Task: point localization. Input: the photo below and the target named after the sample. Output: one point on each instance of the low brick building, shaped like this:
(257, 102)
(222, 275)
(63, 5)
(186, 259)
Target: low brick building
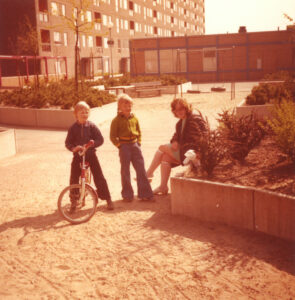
(215, 58)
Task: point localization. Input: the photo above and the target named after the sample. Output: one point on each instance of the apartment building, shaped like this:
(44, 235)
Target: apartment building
(103, 46)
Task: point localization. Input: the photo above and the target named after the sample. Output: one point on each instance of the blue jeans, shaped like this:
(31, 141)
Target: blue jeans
(131, 153)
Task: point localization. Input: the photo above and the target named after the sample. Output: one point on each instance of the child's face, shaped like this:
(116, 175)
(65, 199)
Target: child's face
(126, 107)
(82, 115)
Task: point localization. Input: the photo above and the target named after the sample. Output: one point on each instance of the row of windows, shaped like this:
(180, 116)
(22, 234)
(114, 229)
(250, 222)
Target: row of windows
(58, 9)
(122, 24)
(169, 4)
(85, 40)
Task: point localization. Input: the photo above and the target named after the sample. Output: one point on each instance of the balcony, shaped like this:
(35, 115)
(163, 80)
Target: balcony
(46, 47)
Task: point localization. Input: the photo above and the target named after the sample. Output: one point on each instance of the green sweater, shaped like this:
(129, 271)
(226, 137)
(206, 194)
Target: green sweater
(125, 130)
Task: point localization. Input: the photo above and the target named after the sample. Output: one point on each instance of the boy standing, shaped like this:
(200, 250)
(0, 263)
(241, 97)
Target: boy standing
(126, 135)
(80, 133)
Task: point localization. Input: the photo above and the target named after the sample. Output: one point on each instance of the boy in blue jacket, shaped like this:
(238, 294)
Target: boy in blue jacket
(80, 133)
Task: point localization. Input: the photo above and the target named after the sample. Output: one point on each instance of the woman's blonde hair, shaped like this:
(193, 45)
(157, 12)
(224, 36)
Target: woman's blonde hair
(123, 97)
(183, 103)
(80, 105)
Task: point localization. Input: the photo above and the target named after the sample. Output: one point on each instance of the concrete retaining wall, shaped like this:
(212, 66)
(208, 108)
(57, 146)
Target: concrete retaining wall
(7, 143)
(261, 111)
(51, 118)
(234, 205)
(177, 89)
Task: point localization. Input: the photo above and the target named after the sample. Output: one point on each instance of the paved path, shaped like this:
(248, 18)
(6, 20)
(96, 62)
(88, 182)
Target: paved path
(137, 251)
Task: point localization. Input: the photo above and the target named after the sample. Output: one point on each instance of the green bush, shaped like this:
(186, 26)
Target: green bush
(271, 93)
(282, 125)
(241, 134)
(61, 94)
(126, 79)
(212, 151)
(280, 75)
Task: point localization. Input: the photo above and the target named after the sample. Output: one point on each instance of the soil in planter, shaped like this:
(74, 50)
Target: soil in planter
(265, 167)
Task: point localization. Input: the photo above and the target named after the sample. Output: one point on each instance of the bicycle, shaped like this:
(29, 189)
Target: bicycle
(77, 202)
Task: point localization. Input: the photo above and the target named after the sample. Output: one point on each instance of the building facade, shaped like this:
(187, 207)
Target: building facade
(215, 58)
(103, 44)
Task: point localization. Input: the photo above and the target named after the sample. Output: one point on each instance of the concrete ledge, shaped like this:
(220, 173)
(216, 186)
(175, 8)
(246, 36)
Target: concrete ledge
(234, 205)
(275, 214)
(214, 202)
(172, 89)
(261, 111)
(7, 142)
(52, 118)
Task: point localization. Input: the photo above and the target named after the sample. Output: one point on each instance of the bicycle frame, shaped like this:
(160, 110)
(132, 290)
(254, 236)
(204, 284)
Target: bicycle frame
(84, 170)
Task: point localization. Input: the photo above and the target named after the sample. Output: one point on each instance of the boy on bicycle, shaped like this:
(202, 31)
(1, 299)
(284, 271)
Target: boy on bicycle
(79, 134)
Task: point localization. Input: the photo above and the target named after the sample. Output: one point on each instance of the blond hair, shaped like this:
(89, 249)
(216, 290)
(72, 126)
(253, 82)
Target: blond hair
(123, 97)
(80, 105)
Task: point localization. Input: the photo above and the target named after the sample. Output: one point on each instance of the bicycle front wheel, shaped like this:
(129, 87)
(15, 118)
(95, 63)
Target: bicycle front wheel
(75, 208)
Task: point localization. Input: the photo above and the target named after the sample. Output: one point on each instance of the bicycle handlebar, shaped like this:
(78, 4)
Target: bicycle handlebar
(86, 147)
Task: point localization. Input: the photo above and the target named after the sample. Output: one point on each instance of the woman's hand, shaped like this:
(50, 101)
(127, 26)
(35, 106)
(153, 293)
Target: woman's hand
(174, 146)
(77, 149)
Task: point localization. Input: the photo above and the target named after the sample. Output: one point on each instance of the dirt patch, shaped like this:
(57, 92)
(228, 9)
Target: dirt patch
(265, 167)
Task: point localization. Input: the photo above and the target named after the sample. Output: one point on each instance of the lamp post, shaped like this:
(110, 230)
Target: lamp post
(111, 44)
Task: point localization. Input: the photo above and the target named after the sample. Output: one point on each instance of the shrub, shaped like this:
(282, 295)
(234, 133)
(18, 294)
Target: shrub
(271, 93)
(210, 147)
(242, 134)
(61, 94)
(212, 151)
(282, 125)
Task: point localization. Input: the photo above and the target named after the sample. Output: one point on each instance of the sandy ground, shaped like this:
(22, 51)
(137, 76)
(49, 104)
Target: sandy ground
(137, 251)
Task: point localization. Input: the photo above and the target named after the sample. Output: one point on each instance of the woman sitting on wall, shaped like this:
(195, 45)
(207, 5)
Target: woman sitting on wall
(189, 129)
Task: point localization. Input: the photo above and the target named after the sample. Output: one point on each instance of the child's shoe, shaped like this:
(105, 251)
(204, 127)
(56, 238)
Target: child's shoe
(160, 191)
(110, 205)
(147, 199)
(127, 199)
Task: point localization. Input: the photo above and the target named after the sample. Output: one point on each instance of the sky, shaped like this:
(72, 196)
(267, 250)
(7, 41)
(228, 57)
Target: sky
(226, 16)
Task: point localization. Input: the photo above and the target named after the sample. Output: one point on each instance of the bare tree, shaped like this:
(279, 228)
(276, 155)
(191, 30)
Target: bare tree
(79, 21)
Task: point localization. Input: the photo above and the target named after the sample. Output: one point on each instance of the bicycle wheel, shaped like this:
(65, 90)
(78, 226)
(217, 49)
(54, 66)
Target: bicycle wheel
(74, 208)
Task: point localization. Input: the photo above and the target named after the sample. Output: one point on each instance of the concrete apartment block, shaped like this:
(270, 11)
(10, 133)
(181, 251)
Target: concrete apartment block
(104, 48)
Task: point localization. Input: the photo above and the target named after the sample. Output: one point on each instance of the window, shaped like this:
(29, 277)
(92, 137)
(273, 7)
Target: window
(105, 42)
(54, 8)
(58, 9)
(65, 39)
(83, 40)
(172, 60)
(151, 61)
(131, 25)
(45, 36)
(57, 37)
(209, 59)
(98, 41)
(97, 19)
(43, 5)
(88, 16)
(90, 41)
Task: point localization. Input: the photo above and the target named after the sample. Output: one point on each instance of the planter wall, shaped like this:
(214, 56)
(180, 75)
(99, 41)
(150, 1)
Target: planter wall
(51, 118)
(176, 89)
(7, 142)
(261, 111)
(234, 205)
